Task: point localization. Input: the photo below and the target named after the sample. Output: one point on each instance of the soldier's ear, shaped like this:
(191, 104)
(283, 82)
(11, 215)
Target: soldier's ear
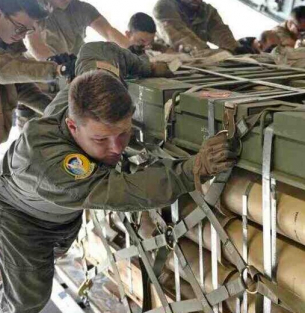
(71, 124)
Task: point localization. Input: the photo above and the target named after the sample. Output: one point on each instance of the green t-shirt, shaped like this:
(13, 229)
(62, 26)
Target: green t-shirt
(65, 30)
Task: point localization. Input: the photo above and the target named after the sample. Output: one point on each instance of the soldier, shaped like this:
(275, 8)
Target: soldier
(141, 35)
(188, 25)
(293, 29)
(141, 30)
(264, 43)
(47, 181)
(17, 18)
(65, 29)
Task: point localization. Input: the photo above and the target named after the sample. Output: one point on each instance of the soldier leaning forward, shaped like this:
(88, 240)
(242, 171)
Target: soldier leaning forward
(65, 29)
(47, 181)
(188, 25)
(17, 18)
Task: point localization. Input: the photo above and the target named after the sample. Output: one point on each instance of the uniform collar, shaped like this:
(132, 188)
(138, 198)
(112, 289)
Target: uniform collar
(64, 128)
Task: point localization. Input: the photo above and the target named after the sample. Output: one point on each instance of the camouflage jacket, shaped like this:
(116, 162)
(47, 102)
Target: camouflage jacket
(36, 176)
(107, 56)
(178, 28)
(16, 76)
(287, 38)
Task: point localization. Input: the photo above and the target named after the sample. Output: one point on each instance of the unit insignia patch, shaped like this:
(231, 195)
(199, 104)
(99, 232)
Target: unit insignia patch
(78, 166)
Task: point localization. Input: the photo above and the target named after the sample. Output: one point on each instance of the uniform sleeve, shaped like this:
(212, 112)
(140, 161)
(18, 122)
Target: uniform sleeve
(58, 103)
(156, 186)
(173, 29)
(156, 46)
(87, 13)
(219, 33)
(32, 96)
(22, 70)
(128, 63)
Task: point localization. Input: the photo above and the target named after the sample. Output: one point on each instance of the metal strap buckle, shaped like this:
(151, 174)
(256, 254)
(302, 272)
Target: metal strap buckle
(244, 280)
(229, 118)
(168, 234)
(169, 237)
(84, 287)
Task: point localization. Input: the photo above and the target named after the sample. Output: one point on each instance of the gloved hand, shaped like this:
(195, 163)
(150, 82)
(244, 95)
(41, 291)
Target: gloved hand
(138, 50)
(62, 58)
(215, 156)
(161, 69)
(66, 64)
(68, 70)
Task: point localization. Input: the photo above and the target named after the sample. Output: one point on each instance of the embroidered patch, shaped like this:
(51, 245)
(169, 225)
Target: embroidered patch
(108, 67)
(78, 166)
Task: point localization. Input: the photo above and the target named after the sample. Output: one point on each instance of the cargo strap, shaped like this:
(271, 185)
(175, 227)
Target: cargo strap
(264, 287)
(205, 302)
(244, 125)
(168, 238)
(112, 260)
(87, 283)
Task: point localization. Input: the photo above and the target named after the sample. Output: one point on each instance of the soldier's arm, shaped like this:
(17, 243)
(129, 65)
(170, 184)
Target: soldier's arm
(173, 30)
(156, 186)
(22, 70)
(91, 54)
(90, 16)
(103, 27)
(220, 33)
(37, 47)
(32, 96)
(285, 39)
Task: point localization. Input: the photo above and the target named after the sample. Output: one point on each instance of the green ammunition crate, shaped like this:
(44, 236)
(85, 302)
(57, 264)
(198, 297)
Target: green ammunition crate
(191, 130)
(191, 115)
(149, 96)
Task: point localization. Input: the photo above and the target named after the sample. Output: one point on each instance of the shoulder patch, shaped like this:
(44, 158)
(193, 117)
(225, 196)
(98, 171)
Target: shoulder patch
(78, 166)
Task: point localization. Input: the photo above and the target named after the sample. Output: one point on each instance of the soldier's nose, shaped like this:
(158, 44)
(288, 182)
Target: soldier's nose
(116, 146)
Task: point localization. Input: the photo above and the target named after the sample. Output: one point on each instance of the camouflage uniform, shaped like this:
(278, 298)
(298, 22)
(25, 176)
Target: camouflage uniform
(42, 198)
(287, 39)
(180, 28)
(16, 75)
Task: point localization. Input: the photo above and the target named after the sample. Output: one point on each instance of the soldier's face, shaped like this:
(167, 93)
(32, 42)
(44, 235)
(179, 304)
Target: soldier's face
(60, 4)
(14, 28)
(296, 27)
(103, 142)
(138, 38)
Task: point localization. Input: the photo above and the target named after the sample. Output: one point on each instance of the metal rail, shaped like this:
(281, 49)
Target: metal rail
(244, 80)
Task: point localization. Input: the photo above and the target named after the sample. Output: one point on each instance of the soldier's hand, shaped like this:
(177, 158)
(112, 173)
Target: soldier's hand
(215, 156)
(68, 70)
(62, 58)
(161, 69)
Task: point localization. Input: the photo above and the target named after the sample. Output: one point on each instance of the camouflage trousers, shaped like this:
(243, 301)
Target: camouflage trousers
(28, 247)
